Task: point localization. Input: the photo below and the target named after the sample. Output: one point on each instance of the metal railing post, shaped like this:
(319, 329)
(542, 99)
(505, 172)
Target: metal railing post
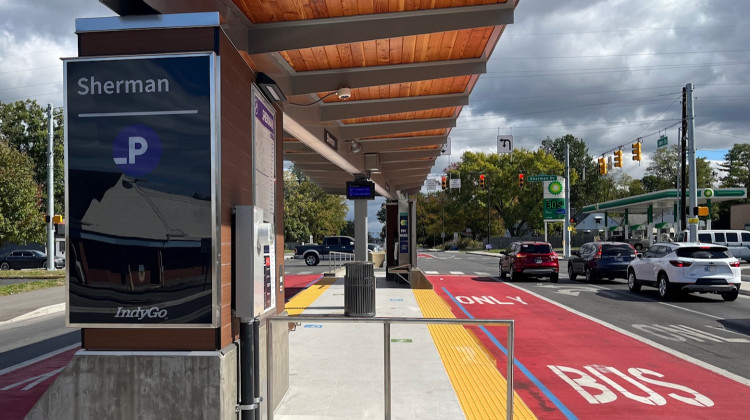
(509, 378)
(387, 368)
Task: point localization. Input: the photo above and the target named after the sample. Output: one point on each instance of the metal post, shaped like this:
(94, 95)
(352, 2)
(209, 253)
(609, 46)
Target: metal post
(566, 222)
(691, 161)
(387, 367)
(246, 369)
(511, 360)
(50, 191)
(256, 368)
(488, 213)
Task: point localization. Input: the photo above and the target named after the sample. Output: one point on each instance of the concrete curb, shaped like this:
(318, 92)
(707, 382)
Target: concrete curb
(58, 307)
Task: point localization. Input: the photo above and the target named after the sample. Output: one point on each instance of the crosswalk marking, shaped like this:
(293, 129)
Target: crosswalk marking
(458, 273)
(431, 272)
(482, 274)
(305, 272)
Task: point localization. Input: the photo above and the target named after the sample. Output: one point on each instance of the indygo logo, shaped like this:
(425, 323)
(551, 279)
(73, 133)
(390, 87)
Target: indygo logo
(136, 150)
(140, 313)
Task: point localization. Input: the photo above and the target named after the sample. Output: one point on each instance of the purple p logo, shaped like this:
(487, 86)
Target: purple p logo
(136, 150)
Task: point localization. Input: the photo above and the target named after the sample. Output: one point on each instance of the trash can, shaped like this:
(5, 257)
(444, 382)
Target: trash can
(359, 289)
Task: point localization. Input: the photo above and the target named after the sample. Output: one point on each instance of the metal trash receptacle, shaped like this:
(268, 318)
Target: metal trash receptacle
(359, 289)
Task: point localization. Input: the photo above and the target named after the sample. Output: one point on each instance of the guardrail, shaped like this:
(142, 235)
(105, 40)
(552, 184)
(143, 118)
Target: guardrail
(337, 259)
(510, 324)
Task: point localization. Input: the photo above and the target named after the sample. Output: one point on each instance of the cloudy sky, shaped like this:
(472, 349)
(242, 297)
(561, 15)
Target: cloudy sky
(606, 71)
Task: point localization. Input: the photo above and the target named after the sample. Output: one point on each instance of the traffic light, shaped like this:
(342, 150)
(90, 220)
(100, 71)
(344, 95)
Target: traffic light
(636, 151)
(445, 183)
(618, 158)
(602, 166)
(520, 180)
(573, 220)
(481, 181)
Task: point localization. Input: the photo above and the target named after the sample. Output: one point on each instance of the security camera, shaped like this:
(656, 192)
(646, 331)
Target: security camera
(442, 150)
(344, 93)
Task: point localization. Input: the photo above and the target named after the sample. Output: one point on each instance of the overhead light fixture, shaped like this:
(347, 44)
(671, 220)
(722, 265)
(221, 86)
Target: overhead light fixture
(270, 89)
(344, 93)
(355, 146)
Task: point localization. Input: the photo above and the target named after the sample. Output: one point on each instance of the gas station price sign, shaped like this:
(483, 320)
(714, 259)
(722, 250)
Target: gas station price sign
(554, 208)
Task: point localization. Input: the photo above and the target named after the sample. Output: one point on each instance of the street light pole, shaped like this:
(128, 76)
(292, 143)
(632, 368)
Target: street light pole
(488, 213)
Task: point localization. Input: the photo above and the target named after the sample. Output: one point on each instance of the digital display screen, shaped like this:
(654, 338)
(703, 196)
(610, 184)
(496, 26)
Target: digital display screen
(360, 190)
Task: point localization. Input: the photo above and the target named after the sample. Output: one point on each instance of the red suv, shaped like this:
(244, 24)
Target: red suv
(531, 259)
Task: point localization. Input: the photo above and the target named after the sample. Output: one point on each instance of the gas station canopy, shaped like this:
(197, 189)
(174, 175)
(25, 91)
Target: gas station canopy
(663, 200)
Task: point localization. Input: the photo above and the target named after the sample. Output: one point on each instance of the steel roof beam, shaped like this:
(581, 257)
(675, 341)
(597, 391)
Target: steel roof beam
(353, 131)
(357, 77)
(357, 109)
(387, 144)
(298, 34)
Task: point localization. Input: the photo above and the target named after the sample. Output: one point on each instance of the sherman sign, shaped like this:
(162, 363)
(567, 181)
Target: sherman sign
(140, 135)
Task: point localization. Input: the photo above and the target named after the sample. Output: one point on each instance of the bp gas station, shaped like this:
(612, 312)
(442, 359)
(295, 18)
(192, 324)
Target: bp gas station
(661, 209)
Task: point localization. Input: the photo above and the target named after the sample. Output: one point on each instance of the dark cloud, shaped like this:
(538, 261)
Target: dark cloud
(611, 71)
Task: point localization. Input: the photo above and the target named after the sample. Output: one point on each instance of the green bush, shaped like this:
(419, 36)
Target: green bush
(464, 243)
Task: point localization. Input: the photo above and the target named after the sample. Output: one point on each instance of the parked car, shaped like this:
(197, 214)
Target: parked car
(686, 267)
(596, 260)
(27, 258)
(313, 253)
(371, 247)
(736, 241)
(530, 259)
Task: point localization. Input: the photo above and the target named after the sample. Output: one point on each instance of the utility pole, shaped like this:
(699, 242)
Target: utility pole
(566, 222)
(683, 157)
(50, 191)
(488, 213)
(691, 161)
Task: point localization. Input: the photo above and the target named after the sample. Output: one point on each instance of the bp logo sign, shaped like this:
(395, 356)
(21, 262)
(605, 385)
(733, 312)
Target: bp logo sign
(708, 193)
(555, 188)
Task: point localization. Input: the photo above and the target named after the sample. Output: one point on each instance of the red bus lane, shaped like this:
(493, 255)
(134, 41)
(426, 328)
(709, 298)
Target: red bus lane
(571, 367)
(23, 385)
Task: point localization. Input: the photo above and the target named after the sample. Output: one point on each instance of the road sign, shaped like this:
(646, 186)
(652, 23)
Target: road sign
(455, 183)
(504, 144)
(662, 141)
(541, 178)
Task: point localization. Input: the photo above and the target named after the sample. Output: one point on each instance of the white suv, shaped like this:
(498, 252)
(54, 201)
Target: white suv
(686, 267)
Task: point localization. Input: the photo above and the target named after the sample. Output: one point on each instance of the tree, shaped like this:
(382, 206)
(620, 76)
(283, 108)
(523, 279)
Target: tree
(664, 170)
(737, 167)
(517, 209)
(308, 210)
(21, 221)
(24, 126)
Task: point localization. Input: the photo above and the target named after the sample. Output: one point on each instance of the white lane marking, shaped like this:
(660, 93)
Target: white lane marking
(305, 272)
(644, 340)
(690, 310)
(39, 359)
(432, 273)
(457, 273)
(483, 274)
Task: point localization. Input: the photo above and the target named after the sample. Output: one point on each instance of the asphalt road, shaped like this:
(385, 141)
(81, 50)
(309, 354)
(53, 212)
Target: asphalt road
(701, 327)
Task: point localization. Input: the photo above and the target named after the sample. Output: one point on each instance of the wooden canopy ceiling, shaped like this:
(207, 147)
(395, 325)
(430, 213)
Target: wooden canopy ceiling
(409, 65)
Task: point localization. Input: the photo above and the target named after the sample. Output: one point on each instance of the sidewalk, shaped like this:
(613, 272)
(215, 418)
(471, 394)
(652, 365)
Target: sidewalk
(336, 370)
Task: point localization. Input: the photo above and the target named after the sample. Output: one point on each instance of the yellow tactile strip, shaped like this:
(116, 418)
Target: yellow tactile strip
(480, 388)
(303, 299)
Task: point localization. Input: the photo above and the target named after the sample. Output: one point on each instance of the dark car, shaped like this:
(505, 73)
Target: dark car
(23, 258)
(529, 259)
(596, 260)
